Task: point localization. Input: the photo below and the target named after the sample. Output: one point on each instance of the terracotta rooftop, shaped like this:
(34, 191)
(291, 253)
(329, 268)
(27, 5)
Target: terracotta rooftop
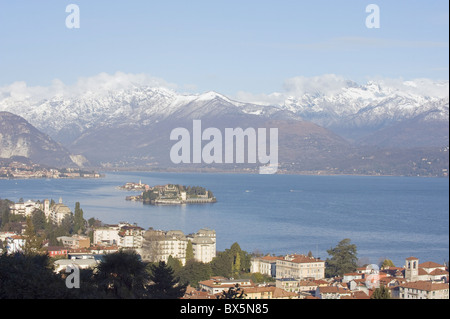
(412, 258)
(430, 264)
(425, 285)
(333, 290)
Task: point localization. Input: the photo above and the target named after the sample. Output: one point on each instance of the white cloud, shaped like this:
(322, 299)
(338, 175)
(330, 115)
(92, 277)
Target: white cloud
(100, 83)
(331, 84)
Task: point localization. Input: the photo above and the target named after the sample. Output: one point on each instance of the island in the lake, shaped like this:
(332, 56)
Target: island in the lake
(170, 194)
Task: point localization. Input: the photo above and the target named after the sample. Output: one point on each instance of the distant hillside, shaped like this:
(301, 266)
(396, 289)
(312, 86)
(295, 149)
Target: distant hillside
(19, 139)
(367, 129)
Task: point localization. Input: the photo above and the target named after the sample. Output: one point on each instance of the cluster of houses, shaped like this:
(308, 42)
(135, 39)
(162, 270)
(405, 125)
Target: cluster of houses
(152, 245)
(56, 212)
(303, 277)
(18, 170)
(158, 245)
(294, 276)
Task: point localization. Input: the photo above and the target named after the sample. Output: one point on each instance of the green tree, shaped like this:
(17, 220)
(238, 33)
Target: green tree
(189, 251)
(193, 272)
(237, 264)
(79, 223)
(30, 276)
(381, 292)
(39, 220)
(175, 264)
(387, 263)
(343, 259)
(33, 243)
(221, 265)
(122, 275)
(241, 259)
(165, 285)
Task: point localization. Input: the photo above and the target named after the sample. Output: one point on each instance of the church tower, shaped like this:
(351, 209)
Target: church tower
(411, 269)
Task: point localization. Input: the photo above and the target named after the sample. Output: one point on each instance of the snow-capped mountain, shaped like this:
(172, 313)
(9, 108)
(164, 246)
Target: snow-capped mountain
(370, 106)
(66, 118)
(18, 138)
(131, 124)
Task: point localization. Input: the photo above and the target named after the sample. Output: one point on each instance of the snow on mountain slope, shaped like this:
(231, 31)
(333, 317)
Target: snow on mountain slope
(68, 117)
(348, 108)
(370, 105)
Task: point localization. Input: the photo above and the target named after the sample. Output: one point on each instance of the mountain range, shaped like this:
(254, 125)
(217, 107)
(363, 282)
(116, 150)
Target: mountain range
(19, 139)
(366, 129)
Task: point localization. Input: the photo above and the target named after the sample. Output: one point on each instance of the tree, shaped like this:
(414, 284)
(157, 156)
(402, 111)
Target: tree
(175, 264)
(195, 271)
(39, 220)
(79, 224)
(29, 276)
(343, 259)
(221, 265)
(165, 285)
(381, 292)
(33, 243)
(241, 259)
(122, 275)
(189, 251)
(387, 263)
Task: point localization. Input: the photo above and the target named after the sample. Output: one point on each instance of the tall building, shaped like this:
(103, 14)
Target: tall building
(204, 245)
(411, 269)
(58, 212)
(159, 245)
(300, 267)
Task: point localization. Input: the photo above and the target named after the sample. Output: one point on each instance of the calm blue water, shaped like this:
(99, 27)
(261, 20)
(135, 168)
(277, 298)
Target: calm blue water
(392, 217)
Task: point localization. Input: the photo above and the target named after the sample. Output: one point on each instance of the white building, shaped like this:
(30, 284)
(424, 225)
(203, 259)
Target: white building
(15, 244)
(160, 245)
(300, 267)
(106, 235)
(131, 236)
(81, 263)
(204, 245)
(265, 265)
(57, 212)
(427, 271)
(424, 290)
(25, 209)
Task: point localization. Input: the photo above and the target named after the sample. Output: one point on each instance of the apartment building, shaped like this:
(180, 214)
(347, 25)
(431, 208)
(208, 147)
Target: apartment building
(300, 267)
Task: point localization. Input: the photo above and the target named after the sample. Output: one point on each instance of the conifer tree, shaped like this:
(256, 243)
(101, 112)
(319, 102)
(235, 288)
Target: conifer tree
(165, 285)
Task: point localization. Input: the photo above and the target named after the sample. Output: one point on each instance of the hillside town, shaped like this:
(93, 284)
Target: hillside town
(20, 170)
(292, 276)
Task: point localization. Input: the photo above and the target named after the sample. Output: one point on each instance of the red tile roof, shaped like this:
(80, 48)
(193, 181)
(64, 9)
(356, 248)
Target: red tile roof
(430, 264)
(425, 285)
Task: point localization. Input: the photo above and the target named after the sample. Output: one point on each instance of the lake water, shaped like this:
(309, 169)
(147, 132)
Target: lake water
(392, 217)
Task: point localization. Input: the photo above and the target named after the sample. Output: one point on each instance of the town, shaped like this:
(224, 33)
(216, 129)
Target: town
(70, 241)
(19, 170)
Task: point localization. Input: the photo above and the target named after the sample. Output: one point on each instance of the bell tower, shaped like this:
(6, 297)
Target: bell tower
(411, 269)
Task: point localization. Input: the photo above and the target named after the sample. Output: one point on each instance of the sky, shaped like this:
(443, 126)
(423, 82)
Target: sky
(253, 46)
